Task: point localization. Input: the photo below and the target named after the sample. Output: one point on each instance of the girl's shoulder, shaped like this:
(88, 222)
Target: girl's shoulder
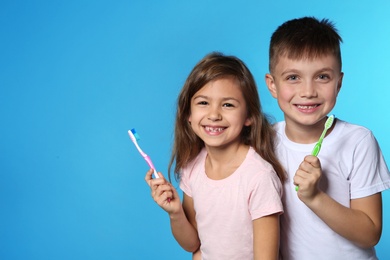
(254, 161)
(196, 162)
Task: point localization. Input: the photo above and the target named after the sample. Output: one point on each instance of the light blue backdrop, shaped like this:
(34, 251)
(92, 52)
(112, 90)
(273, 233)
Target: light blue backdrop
(76, 75)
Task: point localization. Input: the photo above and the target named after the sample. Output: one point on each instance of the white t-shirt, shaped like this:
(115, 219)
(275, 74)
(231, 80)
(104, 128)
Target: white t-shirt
(353, 167)
(225, 208)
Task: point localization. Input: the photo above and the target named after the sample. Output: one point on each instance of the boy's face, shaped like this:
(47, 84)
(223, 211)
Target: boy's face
(306, 89)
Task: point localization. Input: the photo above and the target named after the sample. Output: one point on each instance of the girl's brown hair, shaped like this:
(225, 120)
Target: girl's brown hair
(260, 134)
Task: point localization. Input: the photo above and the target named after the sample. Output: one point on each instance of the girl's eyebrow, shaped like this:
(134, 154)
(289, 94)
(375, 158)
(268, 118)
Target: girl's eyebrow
(199, 96)
(223, 98)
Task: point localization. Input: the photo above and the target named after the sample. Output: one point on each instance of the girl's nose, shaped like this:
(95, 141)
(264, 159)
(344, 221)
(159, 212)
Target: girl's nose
(214, 115)
(214, 118)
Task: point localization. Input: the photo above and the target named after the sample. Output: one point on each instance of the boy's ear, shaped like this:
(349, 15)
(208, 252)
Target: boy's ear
(340, 83)
(269, 80)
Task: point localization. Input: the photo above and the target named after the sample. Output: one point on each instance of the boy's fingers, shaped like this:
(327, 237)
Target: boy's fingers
(313, 160)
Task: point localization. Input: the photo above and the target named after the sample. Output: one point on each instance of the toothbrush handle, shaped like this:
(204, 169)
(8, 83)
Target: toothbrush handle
(316, 149)
(315, 152)
(150, 163)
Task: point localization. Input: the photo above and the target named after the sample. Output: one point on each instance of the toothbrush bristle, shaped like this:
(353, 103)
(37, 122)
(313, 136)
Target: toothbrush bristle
(135, 134)
(329, 121)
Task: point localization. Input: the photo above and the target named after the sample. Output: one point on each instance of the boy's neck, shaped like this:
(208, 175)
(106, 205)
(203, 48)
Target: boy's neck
(305, 134)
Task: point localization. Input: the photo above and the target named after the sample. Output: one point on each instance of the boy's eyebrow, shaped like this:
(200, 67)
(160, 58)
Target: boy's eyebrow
(326, 69)
(288, 71)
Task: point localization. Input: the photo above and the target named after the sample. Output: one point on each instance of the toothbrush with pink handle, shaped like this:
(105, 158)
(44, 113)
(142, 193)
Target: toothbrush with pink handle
(134, 137)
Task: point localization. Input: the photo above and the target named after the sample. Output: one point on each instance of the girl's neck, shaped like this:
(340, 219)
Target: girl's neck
(223, 162)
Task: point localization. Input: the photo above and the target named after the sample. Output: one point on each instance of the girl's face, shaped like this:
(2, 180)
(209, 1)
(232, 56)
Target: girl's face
(218, 113)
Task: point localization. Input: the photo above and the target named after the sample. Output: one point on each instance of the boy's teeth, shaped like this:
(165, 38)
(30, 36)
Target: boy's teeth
(306, 107)
(214, 129)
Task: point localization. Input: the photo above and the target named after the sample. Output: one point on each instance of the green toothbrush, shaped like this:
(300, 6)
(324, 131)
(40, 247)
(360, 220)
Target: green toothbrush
(317, 147)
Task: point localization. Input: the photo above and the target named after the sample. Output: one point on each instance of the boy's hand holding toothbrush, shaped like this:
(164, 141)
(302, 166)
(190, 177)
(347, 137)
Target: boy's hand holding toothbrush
(163, 193)
(309, 172)
(307, 177)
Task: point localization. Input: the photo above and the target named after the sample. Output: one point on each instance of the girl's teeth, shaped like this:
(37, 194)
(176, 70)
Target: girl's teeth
(214, 129)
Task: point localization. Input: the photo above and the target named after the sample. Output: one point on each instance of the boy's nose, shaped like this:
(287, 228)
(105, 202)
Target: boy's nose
(308, 89)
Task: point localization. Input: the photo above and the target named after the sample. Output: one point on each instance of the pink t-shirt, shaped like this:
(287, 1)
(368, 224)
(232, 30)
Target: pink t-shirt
(225, 208)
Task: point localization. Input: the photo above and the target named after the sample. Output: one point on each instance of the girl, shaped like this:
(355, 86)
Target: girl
(225, 162)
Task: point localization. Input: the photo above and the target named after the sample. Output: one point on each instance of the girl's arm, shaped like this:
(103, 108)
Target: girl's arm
(197, 255)
(361, 223)
(182, 217)
(266, 237)
(184, 227)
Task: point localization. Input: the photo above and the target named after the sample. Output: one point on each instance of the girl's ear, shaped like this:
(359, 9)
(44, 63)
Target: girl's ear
(269, 80)
(248, 122)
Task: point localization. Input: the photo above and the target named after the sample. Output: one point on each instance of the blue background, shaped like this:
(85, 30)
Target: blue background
(76, 75)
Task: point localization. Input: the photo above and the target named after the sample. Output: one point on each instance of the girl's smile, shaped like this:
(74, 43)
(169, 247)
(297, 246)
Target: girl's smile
(218, 112)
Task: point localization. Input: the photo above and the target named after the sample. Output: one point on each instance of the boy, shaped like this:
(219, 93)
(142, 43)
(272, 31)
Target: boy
(337, 211)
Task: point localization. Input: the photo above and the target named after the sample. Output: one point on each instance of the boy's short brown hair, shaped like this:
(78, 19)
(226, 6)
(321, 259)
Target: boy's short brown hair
(305, 37)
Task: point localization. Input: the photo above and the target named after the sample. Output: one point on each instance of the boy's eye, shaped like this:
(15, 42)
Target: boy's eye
(292, 77)
(324, 76)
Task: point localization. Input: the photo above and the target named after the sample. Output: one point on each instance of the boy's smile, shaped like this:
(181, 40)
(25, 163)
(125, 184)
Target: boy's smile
(306, 90)
(218, 112)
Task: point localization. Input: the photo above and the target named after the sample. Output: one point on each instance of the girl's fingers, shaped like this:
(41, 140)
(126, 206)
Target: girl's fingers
(148, 177)
(162, 193)
(161, 189)
(160, 175)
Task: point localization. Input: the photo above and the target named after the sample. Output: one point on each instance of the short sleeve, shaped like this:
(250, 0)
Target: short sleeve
(370, 174)
(184, 182)
(265, 197)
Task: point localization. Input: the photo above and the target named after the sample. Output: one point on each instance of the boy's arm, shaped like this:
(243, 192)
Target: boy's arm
(266, 237)
(361, 223)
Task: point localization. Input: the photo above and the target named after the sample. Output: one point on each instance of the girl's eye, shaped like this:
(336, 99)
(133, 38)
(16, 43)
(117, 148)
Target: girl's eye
(203, 103)
(228, 105)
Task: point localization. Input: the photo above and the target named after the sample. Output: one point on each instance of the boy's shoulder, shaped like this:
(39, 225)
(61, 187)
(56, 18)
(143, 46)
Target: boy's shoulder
(342, 129)
(341, 124)
(278, 126)
(346, 128)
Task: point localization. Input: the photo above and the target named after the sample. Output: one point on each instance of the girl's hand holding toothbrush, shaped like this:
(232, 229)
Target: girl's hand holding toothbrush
(163, 193)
